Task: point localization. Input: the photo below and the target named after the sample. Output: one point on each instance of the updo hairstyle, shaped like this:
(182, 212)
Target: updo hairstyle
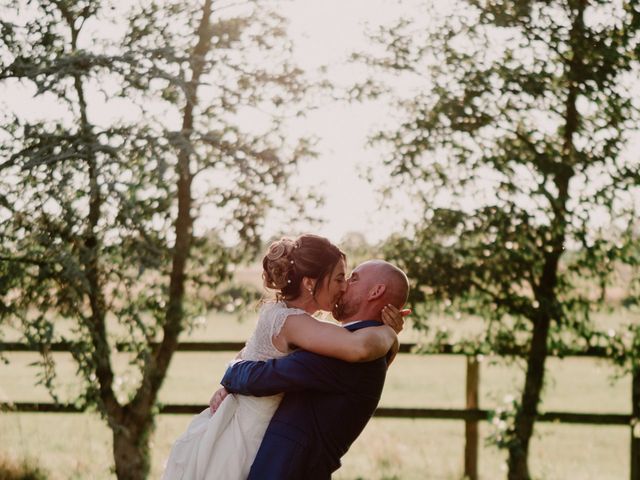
(288, 261)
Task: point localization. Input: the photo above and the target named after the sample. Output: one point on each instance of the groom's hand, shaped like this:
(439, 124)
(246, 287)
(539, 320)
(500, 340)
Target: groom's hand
(217, 399)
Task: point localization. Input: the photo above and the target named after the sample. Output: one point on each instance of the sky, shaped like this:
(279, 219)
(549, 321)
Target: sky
(325, 33)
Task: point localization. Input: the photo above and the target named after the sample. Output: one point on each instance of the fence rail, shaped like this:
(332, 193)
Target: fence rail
(471, 415)
(476, 415)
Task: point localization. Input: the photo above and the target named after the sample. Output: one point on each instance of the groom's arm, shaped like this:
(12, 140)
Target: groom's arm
(300, 370)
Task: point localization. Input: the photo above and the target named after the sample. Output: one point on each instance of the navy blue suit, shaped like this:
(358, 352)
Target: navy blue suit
(327, 404)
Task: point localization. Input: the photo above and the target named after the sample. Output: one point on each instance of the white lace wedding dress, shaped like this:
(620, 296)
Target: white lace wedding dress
(223, 446)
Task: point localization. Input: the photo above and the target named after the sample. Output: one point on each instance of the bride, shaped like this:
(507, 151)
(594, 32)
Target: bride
(308, 275)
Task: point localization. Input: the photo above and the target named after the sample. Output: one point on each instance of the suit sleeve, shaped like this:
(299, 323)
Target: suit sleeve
(299, 371)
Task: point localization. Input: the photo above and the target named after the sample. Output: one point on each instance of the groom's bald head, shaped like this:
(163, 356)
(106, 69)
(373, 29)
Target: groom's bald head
(395, 281)
(372, 285)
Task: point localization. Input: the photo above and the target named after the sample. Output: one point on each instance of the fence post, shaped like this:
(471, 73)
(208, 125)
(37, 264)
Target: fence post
(635, 424)
(471, 426)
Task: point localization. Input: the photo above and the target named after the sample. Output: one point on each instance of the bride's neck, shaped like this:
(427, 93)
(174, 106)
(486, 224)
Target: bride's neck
(308, 304)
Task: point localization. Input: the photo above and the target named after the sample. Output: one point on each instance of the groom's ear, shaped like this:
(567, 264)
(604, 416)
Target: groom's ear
(377, 291)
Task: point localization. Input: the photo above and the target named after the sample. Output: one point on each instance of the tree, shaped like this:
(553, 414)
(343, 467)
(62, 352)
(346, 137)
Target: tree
(357, 248)
(514, 139)
(100, 245)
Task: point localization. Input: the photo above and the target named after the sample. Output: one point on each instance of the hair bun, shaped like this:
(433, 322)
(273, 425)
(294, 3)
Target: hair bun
(278, 264)
(276, 250)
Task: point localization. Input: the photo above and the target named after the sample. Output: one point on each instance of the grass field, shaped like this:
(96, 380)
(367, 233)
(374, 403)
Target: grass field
(78, 446)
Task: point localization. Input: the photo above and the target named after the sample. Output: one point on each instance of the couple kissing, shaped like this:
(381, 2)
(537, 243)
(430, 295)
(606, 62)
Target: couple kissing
(302, 389)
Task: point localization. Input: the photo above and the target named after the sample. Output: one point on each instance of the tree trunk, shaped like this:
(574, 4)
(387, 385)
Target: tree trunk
(131, 437)
(131, 450)
(563, 172)
(156, 367)
(525, 417)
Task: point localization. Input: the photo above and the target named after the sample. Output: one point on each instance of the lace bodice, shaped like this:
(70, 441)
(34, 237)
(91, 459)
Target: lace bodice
(270, 322)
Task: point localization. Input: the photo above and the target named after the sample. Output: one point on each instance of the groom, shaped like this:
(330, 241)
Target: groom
(328, 402)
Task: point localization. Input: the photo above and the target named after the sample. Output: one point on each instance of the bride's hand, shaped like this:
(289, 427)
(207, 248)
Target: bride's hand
(217, 399)
(394, 318)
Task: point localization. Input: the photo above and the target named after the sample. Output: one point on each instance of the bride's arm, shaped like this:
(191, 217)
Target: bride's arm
(330, 340)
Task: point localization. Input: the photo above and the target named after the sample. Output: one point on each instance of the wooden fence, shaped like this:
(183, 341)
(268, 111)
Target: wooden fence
(472, 414)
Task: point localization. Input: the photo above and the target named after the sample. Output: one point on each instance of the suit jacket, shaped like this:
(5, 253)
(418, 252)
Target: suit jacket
(327, 404)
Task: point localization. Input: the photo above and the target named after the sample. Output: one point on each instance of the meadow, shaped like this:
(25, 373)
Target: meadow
(77, 446)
